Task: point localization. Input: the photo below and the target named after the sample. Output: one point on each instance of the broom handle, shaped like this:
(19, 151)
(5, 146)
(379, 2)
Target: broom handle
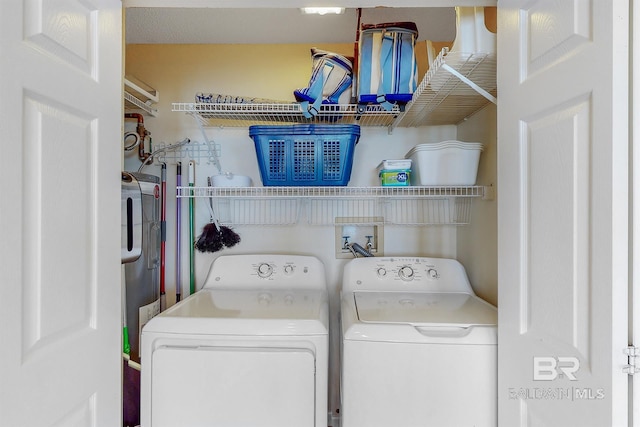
(178, 220)
(163, 236)
(192, 261)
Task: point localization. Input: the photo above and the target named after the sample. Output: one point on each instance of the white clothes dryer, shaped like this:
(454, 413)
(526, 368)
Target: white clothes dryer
(249, 349)
(419, 348)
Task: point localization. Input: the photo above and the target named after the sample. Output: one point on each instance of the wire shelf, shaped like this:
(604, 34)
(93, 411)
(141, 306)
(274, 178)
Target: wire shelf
(456, 86)
(247, 114)
(443, 98)
(139, 96)
(322, 205)
(332, 192)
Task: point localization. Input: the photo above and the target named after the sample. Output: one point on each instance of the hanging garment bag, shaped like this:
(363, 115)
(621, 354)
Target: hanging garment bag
(331, 78)
(388, 71)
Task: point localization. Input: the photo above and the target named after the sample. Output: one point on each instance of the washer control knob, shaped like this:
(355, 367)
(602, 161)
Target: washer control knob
(406, 273)
(432, 273)
(288, 269)
(288, 299)
(265, 270)
(264, 299)
(381, 271)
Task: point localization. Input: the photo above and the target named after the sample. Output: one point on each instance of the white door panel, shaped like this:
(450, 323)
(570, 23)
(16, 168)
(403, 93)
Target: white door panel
(60, 122)
(562, 133)
(275, 385)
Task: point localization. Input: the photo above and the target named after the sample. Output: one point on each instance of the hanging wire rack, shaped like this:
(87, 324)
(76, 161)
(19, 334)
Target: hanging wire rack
(197, 151)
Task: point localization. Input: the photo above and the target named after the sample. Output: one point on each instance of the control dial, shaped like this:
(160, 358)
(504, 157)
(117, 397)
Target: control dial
(265, 270)
(406, 273)
(288, 269)
(432, 273)
(381, 271)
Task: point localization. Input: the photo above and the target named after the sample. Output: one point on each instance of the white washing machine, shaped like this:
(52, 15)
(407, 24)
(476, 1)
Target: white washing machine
(249, 349)
(419, 348)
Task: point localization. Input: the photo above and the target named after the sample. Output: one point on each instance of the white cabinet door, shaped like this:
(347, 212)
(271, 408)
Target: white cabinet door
(60, 135)
(563, 200)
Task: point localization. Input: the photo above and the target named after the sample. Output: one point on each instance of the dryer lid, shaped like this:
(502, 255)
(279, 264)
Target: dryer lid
(252, 304)
(424, 308)
(223, 311)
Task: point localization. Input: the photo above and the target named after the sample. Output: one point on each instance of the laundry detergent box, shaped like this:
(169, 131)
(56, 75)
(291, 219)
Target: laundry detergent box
(395, 172)
(395, 178)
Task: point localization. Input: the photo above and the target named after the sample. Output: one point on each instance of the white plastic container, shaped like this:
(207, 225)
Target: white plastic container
(445, 163)
(230, 180)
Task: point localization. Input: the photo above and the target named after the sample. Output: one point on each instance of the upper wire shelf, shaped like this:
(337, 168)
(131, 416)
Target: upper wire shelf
(456, 86)
(140, 96)
(247, 114)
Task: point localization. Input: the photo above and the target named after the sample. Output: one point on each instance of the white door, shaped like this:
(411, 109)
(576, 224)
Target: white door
(563, 198)
(635, 232)
(60, 138)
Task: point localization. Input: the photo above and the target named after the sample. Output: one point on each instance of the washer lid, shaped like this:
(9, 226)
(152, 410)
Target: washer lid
(425, 308)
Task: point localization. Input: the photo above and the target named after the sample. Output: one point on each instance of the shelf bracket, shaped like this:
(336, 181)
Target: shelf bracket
(470, 83)
(488, 192)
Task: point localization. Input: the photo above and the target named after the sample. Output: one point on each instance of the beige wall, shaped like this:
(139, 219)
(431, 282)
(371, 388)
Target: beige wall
(264, 71)
(477, 243)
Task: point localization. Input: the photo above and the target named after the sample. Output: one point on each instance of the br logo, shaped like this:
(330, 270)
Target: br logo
(550, 368)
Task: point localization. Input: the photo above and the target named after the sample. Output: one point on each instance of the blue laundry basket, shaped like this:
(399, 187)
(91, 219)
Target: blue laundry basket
(305, 155)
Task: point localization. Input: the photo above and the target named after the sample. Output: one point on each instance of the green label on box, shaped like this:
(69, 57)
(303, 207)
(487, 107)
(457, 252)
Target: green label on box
(395, 177)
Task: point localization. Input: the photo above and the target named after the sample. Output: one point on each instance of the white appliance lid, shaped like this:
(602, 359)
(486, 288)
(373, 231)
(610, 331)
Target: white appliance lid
(252, 304)
(246, 312)
(424, 308)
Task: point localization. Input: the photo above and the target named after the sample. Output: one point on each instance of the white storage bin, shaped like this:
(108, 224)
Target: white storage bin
(230, 180)
(445, 163)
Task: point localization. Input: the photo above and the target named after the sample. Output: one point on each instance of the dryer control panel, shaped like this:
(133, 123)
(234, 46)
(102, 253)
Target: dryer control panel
(406, 274)
(264, 270)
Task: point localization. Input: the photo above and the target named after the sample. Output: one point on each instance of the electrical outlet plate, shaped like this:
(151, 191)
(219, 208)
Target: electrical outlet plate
(359, 230)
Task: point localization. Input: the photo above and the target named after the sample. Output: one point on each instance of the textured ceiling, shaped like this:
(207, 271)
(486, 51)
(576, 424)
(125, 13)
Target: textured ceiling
(273, 26)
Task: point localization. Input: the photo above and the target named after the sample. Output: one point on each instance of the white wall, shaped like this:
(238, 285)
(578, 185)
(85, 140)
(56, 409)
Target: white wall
(178, 72)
